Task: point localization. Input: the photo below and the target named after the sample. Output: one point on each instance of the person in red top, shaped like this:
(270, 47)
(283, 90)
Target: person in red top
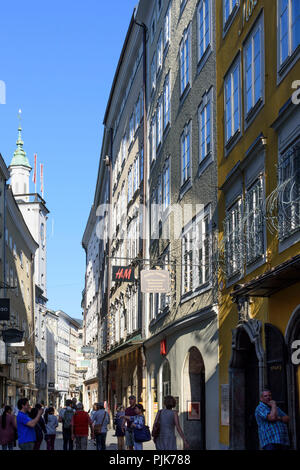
(130, 411)
(80, 427)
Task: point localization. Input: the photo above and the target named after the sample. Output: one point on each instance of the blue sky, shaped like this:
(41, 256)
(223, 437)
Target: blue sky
(58, 60)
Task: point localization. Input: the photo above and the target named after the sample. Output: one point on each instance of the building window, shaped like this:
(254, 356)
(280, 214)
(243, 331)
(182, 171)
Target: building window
(137, 113)
(131, 128)
(196, 252)
(289, 28)
(141, 164)
(205, 122)
(136, 180)
(159, 117)
(130, 184)
(254, 221)
(153, 73)
(167, 27)
(253, 65)
(233, 239)
(203, 27)
(152, 139)
(229, 6)
(185, 154)
(166, 185)
(289, 192)
(159, 53)
(185, 61)
(166, 101)
(232, 101)
(123, 148)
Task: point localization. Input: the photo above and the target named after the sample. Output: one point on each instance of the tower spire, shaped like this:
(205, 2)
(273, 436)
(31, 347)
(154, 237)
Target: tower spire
(19, 157)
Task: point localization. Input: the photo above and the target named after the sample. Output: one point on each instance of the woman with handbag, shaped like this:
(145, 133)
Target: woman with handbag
(100, 421)
(166, 421)
(140, 431)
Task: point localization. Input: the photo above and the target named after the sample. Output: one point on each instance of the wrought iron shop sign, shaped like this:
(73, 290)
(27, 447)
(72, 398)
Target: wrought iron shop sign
(155, 281)
(12, 335)
(123, 274)
(4, 309)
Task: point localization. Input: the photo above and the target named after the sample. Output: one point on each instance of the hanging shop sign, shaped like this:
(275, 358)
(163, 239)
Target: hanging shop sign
(4, 309)
(155, 281)
(12, 335)
(51, 385)
(123, 274)
(87, 350)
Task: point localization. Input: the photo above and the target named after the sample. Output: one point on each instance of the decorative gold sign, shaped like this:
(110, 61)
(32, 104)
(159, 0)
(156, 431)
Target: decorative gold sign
(248, 8)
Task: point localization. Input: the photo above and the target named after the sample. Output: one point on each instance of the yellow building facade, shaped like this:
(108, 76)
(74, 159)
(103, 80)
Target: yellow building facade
(258, 115)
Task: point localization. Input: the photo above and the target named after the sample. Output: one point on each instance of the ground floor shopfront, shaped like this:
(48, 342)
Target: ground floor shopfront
(182, 360)
(90, 393)
(263, 354)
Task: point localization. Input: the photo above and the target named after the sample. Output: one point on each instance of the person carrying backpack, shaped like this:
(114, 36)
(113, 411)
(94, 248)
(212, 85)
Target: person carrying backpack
(65, 417)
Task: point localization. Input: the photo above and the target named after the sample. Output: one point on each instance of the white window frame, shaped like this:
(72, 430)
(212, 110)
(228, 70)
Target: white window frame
(159, 121)
(167, 101)
(166, 185)
(159, 53)
(207, 100)
(187, 173)
(259, 27)
(202, 6)
(230, 75)
(167, 26)
(185, 44)
(255, 225)
(196, 235)
(153, 72)
(234, 255)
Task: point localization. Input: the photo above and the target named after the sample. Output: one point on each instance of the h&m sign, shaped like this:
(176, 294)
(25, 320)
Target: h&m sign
(123, 274)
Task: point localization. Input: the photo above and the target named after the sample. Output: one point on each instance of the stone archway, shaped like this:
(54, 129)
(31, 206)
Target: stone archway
(246, 380)
(194, 399)
(292, 334)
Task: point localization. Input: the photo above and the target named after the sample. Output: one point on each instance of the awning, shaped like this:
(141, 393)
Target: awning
(123, 349)
(278, 278)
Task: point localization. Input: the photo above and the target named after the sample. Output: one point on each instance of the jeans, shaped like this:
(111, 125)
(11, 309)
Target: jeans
(138, 445)
(50, 439)
(100, 441)
(275, 447)
(81, 442)
(8, 446)
(27, 445)
(67, 437)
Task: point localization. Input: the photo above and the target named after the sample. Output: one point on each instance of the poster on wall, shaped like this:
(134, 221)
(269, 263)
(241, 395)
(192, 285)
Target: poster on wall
(193, 410)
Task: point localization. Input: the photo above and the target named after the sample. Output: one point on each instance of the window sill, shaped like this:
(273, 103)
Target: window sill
(203, 164)
(185, 187)
(288, 64)
(204, 59)
(253, 113)
(232, 142)
(163, 313)
(198, 291)
(230, 19)
(184, 95)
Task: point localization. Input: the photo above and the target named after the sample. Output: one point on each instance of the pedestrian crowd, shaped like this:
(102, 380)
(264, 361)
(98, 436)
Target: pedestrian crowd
(29, 426)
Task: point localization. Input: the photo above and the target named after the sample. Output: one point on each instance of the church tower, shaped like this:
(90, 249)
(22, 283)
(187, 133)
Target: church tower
(20, 170)
(35, 213)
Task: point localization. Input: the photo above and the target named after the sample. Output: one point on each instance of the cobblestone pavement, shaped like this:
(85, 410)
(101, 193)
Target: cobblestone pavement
(111, 442)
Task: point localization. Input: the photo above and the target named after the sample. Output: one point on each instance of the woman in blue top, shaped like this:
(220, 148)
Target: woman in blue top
(138, 421)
